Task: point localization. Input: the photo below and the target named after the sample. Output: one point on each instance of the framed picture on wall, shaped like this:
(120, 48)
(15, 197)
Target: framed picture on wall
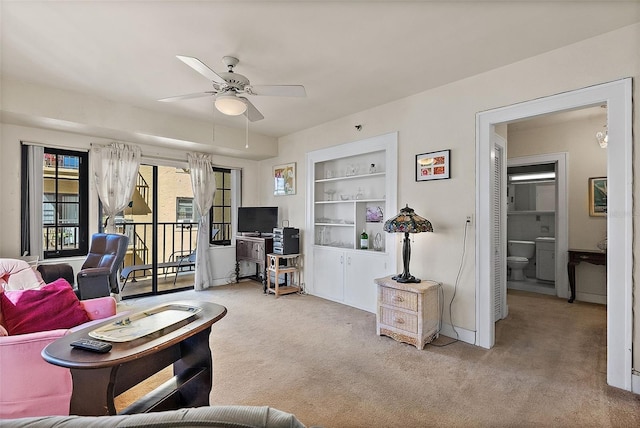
(433, 166)
(284, 179)
(598, 196)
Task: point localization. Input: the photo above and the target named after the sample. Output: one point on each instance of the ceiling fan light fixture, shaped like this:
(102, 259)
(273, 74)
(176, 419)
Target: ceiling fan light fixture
(230, 105)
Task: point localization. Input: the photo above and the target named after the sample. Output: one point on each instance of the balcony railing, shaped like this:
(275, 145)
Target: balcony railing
(176, 239)
(173, 238)
(58, 238)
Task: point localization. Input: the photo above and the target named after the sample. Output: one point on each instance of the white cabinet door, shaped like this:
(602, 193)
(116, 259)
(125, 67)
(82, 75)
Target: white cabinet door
(328, 273)
(546, 265)
(362, 267)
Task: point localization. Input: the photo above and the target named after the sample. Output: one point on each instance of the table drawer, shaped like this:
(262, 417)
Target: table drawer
(400, 320)
(399, 298)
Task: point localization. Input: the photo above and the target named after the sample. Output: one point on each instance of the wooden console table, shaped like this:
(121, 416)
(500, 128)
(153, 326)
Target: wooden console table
(98, 378)
(595, 257)
(287, 264)
(253, 249)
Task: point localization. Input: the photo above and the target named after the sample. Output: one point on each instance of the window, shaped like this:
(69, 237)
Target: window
(220, 215)
(58, 184)
(184, 209)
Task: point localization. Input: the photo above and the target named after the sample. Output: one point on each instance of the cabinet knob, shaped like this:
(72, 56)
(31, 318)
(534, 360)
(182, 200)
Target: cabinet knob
(398, 299)
(398, 320)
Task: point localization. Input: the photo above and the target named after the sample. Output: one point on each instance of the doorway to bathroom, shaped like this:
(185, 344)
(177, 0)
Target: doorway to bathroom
(619, 221)
(536, 223)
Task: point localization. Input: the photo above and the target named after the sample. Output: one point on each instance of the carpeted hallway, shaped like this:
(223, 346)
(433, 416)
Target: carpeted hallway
(323, 362)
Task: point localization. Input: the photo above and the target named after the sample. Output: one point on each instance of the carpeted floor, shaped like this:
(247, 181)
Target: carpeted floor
(323, 362)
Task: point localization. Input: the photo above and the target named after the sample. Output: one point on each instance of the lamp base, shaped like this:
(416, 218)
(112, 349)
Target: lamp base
(406, 279)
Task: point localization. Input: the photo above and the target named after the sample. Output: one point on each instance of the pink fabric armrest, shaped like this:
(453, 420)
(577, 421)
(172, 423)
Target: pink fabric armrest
(99, 308)
(20, 365)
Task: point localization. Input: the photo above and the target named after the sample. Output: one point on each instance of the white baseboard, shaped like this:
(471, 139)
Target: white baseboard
(635, 383)
(463, 335)
(592, 298)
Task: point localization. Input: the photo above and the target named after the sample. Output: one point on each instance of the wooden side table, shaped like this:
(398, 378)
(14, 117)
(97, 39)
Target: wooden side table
(253, 249)
(595, 257)
(408, 312)
(287, 264)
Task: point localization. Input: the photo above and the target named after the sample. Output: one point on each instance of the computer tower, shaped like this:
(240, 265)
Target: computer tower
(286, 240)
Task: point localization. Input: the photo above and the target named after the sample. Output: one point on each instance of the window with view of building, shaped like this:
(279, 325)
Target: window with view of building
(59, 184)
(221, 211)
(65, 175)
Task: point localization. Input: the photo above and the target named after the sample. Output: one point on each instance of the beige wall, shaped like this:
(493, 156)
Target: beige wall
(445, 118)
(585, 159)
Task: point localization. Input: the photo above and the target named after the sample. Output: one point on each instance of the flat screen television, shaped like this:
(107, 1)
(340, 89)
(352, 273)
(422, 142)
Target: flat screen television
(258, 220)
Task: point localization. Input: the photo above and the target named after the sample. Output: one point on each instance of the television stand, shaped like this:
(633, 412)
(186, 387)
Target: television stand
(253, 249)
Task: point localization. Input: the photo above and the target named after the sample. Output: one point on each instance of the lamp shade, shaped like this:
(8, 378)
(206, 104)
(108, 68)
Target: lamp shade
(230, 105)
(407, 221)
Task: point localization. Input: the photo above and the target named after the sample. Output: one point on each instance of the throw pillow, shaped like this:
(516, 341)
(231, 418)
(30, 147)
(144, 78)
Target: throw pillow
(51, 307)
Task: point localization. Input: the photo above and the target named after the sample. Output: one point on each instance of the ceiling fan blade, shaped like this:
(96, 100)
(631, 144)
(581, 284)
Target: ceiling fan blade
(278, 90)
(201, 68)
(252, 112)
(187, 96)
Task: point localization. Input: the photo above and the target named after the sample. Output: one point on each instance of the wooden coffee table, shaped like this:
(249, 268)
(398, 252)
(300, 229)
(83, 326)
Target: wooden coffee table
(98, 378)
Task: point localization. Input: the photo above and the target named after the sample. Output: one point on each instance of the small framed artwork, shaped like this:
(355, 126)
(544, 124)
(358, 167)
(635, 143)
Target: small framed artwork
(284, 179)
(598, 196)
(433, 166)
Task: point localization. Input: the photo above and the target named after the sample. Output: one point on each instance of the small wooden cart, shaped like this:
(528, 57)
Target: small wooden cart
(287, 264)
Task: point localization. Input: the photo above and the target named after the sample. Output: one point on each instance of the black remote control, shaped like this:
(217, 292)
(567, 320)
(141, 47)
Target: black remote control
(91, 345)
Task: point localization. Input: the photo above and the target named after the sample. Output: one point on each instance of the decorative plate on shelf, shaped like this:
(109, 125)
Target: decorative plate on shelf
(374, 215)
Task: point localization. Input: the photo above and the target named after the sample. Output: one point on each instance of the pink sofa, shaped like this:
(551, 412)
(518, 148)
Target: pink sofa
(29, 386)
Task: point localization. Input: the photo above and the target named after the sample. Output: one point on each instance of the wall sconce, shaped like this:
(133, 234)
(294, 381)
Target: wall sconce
(603, 138)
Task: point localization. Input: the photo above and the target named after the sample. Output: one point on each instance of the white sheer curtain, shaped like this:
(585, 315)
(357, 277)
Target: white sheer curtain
(35, 174)
(203, 184)
(115, 169)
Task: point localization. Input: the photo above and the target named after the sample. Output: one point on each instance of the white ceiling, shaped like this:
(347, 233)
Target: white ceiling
(350, 55)
(598, 113)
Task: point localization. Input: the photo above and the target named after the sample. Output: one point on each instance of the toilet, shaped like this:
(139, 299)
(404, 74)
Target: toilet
(518, 255)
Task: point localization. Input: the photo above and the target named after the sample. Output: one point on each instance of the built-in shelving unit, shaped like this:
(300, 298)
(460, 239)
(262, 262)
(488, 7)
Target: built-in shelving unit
(351, 187)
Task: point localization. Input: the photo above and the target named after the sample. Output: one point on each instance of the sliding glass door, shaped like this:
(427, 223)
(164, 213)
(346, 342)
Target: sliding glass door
(161, 224)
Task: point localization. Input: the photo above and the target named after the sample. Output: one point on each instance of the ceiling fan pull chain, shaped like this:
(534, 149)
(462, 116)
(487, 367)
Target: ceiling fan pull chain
(213, 123)
(246, 132)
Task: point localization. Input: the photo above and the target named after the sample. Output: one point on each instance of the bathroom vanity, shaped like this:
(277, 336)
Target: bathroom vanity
(546, 258)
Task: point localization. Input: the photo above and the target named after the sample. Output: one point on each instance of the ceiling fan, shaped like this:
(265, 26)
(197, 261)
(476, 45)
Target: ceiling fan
(230, 89)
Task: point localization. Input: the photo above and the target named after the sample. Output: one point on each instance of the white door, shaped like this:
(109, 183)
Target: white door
(499, 227)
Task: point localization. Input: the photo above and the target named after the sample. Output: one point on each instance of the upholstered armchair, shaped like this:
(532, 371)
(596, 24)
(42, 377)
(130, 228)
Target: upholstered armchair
(99, 274)
(21, 363)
